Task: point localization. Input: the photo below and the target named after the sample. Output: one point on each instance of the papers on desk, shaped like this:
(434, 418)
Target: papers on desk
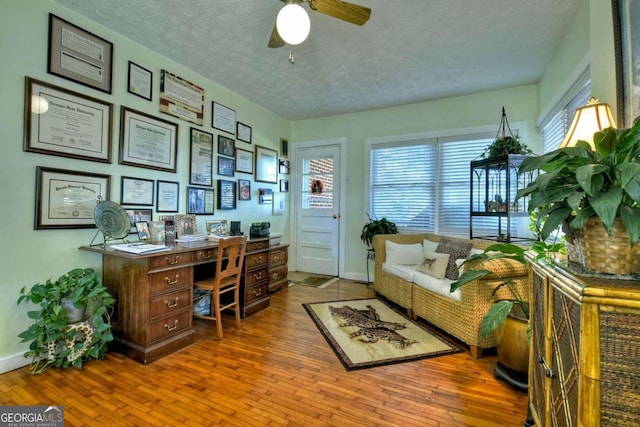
(139, 248)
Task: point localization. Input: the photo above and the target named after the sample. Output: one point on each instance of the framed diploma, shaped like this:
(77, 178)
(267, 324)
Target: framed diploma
(223, 118)
(136, 191)
(167, 194)
(79, 55)
(201, 166)
(65, 123)
(226, 194)
(181, 98)
(266, 165)
(244, 161)
(243, 132)
(140, 81)
(147, 141)
(66, 199)
(200, 201)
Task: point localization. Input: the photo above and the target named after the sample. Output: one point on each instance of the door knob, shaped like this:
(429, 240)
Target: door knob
(335, 216)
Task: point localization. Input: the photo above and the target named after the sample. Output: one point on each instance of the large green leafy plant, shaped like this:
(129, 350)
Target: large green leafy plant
(580, 182)
(376, 226)
(50, 333)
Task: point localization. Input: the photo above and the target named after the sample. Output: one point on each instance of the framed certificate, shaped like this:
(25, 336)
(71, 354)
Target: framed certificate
(201, 166)
(181, 98)
(223, 118)
(266, 165)
(67, 199)
(167, 195)
(140, 81)
(244, 161)
(147, 141)
(243, 133)
(136, 191)
(78, 55)
(65, 123)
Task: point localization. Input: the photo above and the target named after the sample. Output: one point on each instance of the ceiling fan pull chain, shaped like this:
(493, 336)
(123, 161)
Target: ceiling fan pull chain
(291, 58)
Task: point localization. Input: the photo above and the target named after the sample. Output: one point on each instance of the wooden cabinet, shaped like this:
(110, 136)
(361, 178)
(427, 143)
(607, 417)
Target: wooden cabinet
(254, 293)
(585, 358)
(278, 270)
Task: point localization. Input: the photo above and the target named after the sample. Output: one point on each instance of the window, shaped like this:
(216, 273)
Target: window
(555, 127)
(423, 185)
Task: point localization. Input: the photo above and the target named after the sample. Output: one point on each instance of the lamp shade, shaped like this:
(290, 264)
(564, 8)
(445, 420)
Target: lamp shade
(293, 23)
(588, 120)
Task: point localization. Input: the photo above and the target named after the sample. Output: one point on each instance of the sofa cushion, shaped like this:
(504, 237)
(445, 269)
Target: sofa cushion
(404, 272)
(457, 249)
(403, 254)
(441, 287)
(429, 245)
(434, 264)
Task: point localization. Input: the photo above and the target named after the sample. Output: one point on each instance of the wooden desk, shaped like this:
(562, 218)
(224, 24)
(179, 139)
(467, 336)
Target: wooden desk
(154, 294)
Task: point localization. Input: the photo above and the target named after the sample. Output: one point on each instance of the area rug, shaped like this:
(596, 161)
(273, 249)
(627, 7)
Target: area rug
(309, 279)
(368, 332)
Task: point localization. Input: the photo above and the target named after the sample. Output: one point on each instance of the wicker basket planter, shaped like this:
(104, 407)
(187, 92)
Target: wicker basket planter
(597, 252)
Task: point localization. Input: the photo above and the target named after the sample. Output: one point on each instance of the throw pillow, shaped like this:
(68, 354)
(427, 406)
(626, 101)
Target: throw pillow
(429, 245)
(403, 254)
(457, 249)
(434, 264)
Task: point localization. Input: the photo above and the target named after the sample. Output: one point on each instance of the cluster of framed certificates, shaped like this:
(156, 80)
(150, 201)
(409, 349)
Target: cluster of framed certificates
(66, 123)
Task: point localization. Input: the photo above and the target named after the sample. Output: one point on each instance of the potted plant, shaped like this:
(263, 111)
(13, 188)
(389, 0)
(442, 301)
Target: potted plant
(58, 339)
(376, 226)
(592, 190)
(504, 145)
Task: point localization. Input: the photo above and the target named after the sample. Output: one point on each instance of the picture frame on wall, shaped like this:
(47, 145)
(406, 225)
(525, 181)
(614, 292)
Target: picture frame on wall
(136, 191)
(140, 81)
(181, 98)
(147, 141)
(223, 118)
(64, 123)
(244, 189)
(79, 55)
(225, 166)
(284, 147)
(226, 146)
(627, 52)
(279, 205)
(201, 158)
(67, 199)
(226, 194)
(200, 201)
(243, 132)
(284, 185)
(283, 166)
(167, 196)
(266, 165)
(136, 216)
(244, 161)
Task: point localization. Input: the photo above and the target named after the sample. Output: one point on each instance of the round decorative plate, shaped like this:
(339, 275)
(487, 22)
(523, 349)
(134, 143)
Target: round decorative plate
(112, 219)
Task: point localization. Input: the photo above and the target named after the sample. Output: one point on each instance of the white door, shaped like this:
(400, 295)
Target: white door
(318, 209)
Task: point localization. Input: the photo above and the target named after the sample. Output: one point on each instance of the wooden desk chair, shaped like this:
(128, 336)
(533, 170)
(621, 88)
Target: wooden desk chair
(226, 281)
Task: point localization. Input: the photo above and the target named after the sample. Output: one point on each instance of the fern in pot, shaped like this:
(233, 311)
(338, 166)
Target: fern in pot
(376, 226)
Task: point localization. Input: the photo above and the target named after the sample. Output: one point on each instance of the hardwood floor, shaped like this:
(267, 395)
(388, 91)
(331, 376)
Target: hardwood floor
(276, 370)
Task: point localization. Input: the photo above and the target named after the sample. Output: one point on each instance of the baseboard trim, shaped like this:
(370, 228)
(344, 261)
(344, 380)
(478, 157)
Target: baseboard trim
(10, 363)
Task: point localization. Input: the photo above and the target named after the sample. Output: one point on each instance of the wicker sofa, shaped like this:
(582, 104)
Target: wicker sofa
(460, 318)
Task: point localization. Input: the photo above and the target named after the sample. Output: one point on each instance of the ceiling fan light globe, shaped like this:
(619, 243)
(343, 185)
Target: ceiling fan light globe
(293, 24)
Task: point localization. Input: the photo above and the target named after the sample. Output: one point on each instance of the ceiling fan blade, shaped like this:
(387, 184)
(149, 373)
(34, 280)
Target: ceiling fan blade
(275, 40)
(349, 12)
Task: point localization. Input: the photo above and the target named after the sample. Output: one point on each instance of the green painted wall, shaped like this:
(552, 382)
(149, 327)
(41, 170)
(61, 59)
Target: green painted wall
(30, 256)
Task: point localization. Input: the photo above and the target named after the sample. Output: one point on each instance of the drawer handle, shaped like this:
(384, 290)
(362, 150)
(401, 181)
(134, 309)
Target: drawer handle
(176, 259)
(172, 305)
(257, 276)
(547, 371)
(258, 292)
(172, 282)
(257, 260)
(274, 276)
(275, 258)
(172, 328)
(204, 255)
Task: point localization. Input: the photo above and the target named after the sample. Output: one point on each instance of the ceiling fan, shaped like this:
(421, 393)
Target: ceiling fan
(348, 12)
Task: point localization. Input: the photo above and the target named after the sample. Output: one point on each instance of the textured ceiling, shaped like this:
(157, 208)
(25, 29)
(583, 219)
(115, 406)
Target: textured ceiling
(409, 51)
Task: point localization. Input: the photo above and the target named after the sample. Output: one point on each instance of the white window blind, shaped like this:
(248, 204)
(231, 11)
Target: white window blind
(403, 185)
(556, 126)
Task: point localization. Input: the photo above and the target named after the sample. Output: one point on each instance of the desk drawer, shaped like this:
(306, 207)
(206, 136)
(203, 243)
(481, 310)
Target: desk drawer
(277, 274)
(170, 260)
(256, 246)
(170, 325)
(170, 279)
(278, 257)
(256, 260)
(205, 255)
(255, 276)
(170, 303)
(255, 292)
